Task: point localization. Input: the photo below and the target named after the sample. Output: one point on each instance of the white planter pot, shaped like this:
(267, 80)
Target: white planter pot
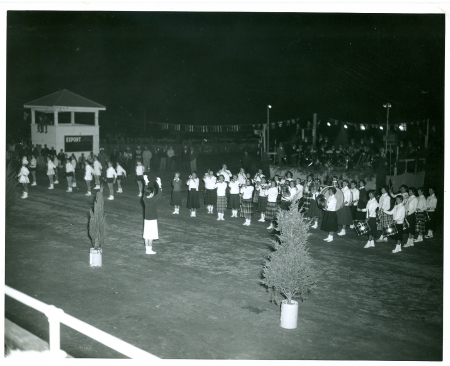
(95, 257)
(289, 314)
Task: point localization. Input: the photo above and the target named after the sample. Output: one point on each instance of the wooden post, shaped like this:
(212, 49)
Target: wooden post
(314, 129)
(55, 114)
(96, 118)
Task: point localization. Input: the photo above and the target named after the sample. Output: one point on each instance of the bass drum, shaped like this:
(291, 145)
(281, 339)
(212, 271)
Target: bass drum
(326, 192)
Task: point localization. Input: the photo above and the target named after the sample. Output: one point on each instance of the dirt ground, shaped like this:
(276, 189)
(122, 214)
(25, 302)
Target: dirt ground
(199, 297)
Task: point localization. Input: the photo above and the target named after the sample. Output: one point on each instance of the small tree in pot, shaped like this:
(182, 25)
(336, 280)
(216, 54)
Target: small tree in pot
(289, 271)
(97, 229)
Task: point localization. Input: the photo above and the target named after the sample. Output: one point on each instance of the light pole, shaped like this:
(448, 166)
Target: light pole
(387, 106)
(268, 127)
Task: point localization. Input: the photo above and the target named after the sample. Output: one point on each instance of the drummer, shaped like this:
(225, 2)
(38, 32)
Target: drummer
(398, 215)
(355, 198)
(371, 214)
(330, 222)
(344, 214)
(384, 219)
(314, 212)
(362, 201)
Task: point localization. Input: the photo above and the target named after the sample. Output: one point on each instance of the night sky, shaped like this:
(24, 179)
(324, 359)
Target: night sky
(224, 68)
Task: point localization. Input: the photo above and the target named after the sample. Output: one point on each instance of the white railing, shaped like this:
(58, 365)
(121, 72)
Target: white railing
(57, 316)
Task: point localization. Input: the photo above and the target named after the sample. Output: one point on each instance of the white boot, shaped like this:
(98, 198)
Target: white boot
(88, 194)
(429, 235)
(368, 244)
(148, 250)
(34, 184)
(111, 198)
(192, 213)
(51, 186)
(352, 226)
(409, 243)
(222, 216)
(74, 184)
(97, 187)
(174, 211)
(24, 195)
(315, 226)
(372, 243)
(262, 218)
(69, 189)
(270, 227)
(398, 248)
(178, 210)
(342, 232)
(56, 182)
(329, 239)
(218, 216)
(195, 213)
(419, 238)
(247, 222)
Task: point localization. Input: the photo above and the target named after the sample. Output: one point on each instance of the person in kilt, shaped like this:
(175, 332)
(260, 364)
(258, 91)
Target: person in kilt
(305, 201)
(329, 222)
(176, 199)
(344, 214)
(314, 211)
(371, 216)
(234, 199)
(384, 220)
(421, 212)
(355, 199)
(247, 204)
(411, 207)
(139, 176)
(272, 206)
(431, 207)
(121, 174)
(262, 198)
(398, 217)
(193, 200)
(210, 190)
(221, 197)
(285, 197)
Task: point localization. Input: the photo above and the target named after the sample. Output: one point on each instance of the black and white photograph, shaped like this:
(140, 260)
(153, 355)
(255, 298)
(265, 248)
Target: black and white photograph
(251, 182)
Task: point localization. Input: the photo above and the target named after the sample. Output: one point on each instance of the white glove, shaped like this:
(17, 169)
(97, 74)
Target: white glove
(146, 180)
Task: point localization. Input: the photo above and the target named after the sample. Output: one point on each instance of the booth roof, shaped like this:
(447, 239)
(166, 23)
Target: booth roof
(64, 98)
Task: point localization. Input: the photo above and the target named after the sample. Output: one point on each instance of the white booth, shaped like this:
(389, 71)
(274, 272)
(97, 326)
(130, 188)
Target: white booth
(67, 121)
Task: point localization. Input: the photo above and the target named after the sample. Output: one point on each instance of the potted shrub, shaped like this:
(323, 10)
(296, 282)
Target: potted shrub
(289, 271)
(97, 230)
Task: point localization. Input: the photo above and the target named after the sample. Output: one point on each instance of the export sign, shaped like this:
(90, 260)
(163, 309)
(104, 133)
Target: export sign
(78, 143)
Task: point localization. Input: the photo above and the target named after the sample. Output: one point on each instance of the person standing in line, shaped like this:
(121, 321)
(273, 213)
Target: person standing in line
(221, 197)
(147, 157)
(59, 168)
(247, 204)
(152, 196)
(128, 159)
(175, 199)
(193, 159)
(69, 175)
(330, 221)
(262, 198)
(138, 155)
(193, 200)
(23, 177)
(50, 171)
(411, 207)
(73, 161)
(89, 171)
(111, 176)
(362, 201)
(355, 199)
(281, 154)
(398, 217)
(139, 176)
(97, 172)
(121, 174)
(314, 211)
(210, 190)
(272, 207)
(420, 215)
(82, 162)
(32, 166)
(431, 208)
(234, 200)
(102, 158)
(371, 215)
(384, 219)
(344, 214)
(162, 152)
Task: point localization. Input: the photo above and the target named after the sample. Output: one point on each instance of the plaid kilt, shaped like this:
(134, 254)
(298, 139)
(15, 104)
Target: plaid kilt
(420, 222)
(234, 201)
(221, 204)
(305, 202)
(384, 220)
(175, 199)
(193, 200)
(210, 197)
(247, 208)
(262, 204)
(271, 211)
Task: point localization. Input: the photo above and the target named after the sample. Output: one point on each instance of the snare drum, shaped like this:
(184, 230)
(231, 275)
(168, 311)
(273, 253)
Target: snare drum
(327, 193)
(361, 227)
(390, 230)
